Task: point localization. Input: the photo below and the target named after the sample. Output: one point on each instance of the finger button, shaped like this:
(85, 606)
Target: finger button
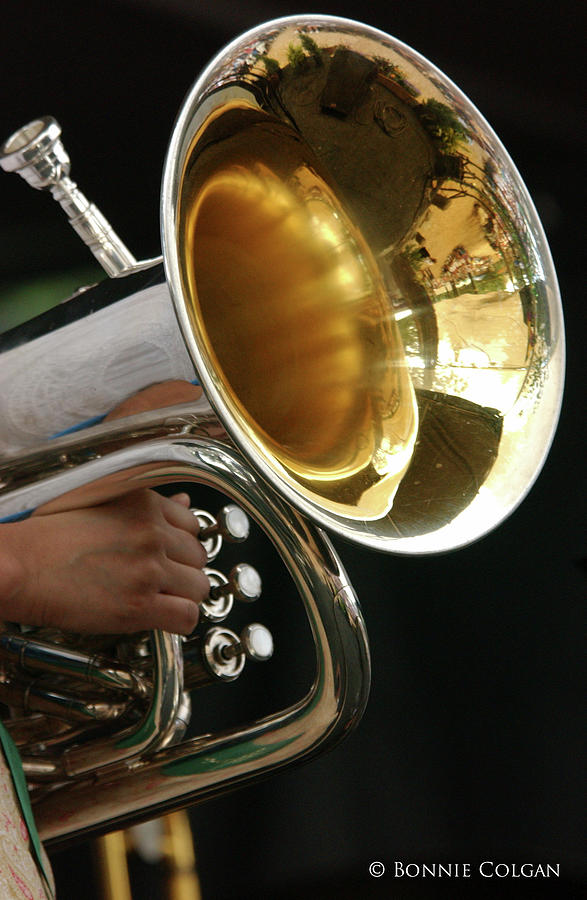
(233, 523)
(257, 642)
(244, 583)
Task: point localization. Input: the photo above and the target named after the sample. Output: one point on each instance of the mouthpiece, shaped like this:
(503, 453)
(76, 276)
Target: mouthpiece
(37, 153)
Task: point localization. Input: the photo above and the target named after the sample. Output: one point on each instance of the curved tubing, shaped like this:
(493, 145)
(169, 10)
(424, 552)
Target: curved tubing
(142, 785)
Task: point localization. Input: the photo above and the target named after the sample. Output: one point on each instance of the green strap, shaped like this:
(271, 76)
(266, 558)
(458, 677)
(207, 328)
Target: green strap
(20, 786)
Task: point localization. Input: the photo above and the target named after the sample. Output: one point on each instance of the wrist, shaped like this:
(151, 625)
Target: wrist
(12, 567)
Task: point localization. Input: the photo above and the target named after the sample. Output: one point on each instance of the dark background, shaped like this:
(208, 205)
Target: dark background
(470, 748)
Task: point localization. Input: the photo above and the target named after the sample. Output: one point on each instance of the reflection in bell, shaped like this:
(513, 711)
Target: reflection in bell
(364, 284)
(291, 309)
(360, 280)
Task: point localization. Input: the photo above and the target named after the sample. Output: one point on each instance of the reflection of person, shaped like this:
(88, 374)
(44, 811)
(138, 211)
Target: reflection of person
(132, 564)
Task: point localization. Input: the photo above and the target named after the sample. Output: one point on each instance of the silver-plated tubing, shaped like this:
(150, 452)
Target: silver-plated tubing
(39, 656)
(183, 718)
(41, 769)
(24, 730)
(36, 696)
(52, 746)
(177, 776)
(208, 764)
(158, 724)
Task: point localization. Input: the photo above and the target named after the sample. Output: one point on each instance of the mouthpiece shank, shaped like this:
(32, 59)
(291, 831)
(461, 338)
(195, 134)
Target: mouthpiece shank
(36, 152)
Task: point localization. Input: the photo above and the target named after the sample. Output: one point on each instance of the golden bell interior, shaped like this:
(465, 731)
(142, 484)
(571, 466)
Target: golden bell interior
(363, 284)
(289, 304)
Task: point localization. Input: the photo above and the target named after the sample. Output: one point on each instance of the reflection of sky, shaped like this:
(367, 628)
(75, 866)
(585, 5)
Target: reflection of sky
(487, 340)
(481, 352)
(492, 324)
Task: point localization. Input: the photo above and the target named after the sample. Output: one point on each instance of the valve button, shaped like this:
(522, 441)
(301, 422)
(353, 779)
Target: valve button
(233, 523)
(246, 582)
(257, 642)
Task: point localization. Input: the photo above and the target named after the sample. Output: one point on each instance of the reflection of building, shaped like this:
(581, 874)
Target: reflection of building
(349, 112)
(461, 266)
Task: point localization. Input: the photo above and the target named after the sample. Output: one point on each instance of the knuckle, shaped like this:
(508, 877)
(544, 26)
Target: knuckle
(151, 540)
(131, 615)
(148, 577)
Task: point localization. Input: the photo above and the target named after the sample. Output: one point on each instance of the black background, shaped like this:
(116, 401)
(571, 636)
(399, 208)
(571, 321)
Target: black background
(470, 747)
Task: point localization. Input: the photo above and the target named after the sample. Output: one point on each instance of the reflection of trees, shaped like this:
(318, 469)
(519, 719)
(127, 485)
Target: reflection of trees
(295, 55)
(272, 67)
(415, 255)
(442, 123)
(363, 128)
(311, 47)
(413, 155)
(392, 71)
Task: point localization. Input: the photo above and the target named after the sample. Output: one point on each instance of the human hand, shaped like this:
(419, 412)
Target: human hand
(128, 565)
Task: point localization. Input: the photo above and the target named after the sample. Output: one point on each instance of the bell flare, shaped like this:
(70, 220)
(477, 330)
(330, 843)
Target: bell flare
(363, 284)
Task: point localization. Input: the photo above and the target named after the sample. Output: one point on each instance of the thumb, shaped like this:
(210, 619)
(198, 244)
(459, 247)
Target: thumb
(183, 499)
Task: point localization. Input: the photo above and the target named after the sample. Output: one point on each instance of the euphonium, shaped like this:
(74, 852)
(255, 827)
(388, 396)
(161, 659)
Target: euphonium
(355, 273)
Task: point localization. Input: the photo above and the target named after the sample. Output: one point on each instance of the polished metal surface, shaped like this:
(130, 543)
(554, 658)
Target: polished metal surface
(34, 655)
(130, 775)
(366, 293)
(363, 283)
(216, 607)
(154, 729)
(222, 654)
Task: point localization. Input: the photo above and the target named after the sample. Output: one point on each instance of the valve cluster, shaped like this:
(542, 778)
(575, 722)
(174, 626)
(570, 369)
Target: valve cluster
(217, 652)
